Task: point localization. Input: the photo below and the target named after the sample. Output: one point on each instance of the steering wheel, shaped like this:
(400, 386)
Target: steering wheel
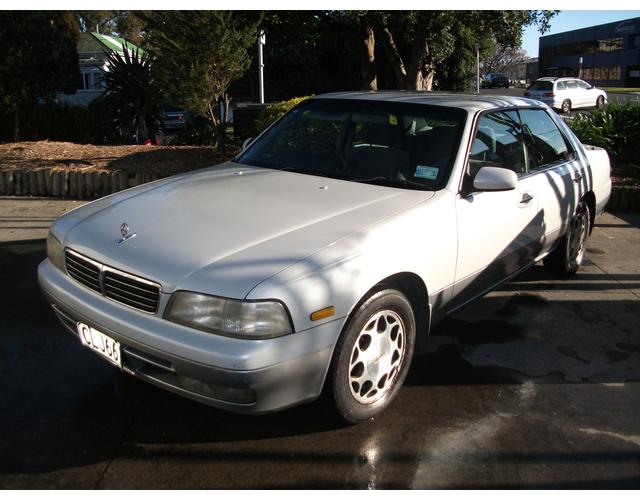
(328, 148)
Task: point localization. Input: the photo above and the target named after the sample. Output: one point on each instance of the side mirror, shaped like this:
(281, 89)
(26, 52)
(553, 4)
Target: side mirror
(495, 179)
(246, 143)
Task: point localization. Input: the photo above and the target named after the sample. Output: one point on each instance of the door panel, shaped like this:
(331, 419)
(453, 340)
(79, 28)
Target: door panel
(498, 234)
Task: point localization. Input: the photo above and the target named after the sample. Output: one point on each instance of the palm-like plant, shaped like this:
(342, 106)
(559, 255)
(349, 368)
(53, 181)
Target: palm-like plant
(131, 81)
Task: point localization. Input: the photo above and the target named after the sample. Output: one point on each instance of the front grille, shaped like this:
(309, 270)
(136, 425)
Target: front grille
(122, 287)
(131, 291)
(84, 271)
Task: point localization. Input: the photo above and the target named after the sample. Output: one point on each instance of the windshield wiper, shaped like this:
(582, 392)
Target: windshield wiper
(401, 183)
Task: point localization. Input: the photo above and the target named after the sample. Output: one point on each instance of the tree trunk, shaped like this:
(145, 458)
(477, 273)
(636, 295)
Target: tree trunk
(16, 125)
(390, 49)
(368, 76)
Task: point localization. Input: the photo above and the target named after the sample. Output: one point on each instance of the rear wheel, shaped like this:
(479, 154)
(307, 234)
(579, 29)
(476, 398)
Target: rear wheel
(566, 106)
(372, 357)
(565, 260)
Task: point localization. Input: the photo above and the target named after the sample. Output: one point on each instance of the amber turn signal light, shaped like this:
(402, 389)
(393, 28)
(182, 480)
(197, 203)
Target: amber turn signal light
(323, 313)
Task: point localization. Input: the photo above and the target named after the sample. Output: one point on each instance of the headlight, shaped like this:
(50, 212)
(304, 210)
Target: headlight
(54, 251)
(237, 318)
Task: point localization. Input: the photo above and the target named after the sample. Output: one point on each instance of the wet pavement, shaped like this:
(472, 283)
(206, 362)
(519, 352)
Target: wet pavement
(535, 385)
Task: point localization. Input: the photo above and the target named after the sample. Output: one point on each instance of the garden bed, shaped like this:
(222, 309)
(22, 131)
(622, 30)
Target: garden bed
(65, 169)
(68, 170)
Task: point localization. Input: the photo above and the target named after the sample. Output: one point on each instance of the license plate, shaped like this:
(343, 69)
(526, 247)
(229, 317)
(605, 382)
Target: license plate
(97, 341)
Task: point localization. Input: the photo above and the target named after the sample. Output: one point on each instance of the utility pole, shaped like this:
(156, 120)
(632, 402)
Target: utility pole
(477, 68)
(580, 70)
(261, 42)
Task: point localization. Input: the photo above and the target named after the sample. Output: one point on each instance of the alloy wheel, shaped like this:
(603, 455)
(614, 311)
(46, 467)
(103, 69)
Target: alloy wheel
(377, 356)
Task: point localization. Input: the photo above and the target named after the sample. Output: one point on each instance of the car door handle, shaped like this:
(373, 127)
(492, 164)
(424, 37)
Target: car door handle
(525, 199)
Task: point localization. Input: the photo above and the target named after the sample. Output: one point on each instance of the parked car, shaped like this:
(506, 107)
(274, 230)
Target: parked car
(315, 262)
(175, 118)
(495, 80)
(565, 94)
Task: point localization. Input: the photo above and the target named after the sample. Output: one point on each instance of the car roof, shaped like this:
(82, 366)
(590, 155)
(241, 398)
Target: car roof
(469, 102)
(556, 78)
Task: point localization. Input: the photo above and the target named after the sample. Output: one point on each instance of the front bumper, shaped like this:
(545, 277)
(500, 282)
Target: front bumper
(244, 376)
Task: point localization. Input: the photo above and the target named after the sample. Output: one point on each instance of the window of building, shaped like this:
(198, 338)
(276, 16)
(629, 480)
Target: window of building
(634, 42)
(91, 79)
(609, 44)
(587, 73)
(606, 73)
(571, 49)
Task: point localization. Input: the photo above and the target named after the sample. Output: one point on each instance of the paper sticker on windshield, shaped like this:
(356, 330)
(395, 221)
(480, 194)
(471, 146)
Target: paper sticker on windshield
(426, 172)
(393, 119)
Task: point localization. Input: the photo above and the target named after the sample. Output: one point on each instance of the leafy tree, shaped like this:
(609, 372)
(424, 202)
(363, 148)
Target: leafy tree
(198, 54)
(136, 92)
(499, 59)
(416, 43)
(38, 58)
(309, 52)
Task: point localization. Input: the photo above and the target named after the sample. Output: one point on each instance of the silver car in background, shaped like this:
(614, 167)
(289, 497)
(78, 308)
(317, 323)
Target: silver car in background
(565, 94)
(316, 261)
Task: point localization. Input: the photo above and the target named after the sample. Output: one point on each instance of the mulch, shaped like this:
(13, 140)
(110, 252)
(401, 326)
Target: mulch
(158, 160)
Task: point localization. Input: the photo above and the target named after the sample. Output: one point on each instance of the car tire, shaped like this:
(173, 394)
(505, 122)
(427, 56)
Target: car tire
(565, 260)
(566, 106)
(372, 357)
(599, 102)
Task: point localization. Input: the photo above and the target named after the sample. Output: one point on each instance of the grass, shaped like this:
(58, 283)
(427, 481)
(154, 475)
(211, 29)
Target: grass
(620, 89)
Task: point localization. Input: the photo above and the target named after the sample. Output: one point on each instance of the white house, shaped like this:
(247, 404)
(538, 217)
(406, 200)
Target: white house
(92, 49)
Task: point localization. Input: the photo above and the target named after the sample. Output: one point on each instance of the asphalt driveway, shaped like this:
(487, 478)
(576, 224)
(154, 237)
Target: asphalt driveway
(536, 385)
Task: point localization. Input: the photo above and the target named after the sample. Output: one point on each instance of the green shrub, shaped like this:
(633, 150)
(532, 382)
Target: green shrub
(615, 128)
(275, 111)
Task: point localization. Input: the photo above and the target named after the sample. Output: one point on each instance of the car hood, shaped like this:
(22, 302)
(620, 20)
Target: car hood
(224, 229)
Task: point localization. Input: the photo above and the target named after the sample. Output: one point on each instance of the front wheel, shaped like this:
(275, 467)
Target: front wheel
(372, 357)
(565, 260)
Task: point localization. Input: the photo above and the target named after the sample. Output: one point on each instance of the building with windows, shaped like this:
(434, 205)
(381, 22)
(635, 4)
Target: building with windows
(92, 59)
(604, 55)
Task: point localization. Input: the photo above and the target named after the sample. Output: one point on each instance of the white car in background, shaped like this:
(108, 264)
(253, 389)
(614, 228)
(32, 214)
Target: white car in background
(565, 94)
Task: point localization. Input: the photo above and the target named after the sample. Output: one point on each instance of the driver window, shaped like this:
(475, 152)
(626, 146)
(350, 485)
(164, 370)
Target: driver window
(498, 143)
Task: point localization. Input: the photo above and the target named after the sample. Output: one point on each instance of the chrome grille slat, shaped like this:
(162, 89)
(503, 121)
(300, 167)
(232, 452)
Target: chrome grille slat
(114, 284)
(83, 264)
(126, 295)
(93, 284)
(82, 272)
(127, 292)
(129, 284)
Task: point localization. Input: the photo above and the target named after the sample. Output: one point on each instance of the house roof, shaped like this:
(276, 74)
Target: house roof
(115, 43)
(92, 46)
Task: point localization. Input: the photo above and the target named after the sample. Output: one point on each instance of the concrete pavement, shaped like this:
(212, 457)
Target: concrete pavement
(535, 385)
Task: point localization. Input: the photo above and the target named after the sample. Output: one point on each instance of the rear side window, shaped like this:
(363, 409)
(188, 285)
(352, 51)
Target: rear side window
(544, 142)
(541, 85)
(560, 86)
(572, 85)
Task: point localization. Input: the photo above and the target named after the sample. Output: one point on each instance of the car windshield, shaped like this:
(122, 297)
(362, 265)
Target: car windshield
(388, 143)
(541, 85)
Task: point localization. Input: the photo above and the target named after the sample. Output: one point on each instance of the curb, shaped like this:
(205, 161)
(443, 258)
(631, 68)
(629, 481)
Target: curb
(69, 183)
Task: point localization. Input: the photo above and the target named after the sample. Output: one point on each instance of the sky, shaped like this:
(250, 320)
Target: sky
(568, 20)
